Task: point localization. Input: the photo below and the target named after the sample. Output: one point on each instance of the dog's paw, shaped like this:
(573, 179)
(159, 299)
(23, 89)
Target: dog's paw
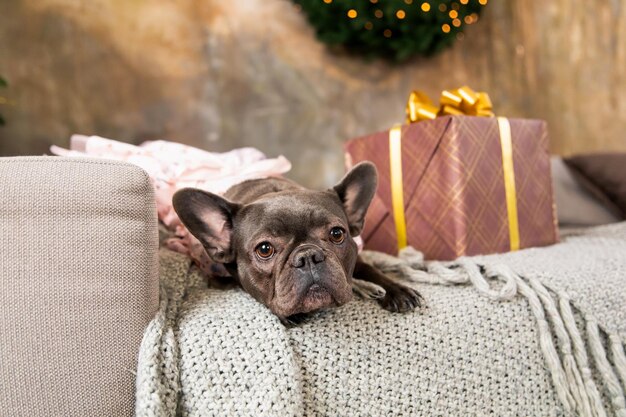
(400, 299)
(294, 320)
(367, 290)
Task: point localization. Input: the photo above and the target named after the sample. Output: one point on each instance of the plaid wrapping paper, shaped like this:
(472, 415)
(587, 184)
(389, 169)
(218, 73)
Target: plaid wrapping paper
(453, 186)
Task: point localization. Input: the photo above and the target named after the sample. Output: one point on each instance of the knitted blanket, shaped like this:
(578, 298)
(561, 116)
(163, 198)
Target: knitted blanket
(539, 332)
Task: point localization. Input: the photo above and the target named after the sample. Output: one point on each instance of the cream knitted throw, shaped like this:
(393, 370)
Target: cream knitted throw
(540, 332)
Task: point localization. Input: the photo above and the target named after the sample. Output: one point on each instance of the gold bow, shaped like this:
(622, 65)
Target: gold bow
(462, 100)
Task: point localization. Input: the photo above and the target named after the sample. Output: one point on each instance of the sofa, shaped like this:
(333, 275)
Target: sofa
(97, 320)
(78, 284)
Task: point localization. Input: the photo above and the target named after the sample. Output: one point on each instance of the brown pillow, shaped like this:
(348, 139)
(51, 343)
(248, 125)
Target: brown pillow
(575, 205)
(604, 173)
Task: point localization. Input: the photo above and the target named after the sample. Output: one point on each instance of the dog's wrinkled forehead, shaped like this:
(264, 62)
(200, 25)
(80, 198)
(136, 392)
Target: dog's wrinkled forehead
(297, 213)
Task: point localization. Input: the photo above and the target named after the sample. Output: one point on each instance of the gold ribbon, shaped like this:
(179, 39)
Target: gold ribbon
(397, 194)
(509, 181)
(463, 101)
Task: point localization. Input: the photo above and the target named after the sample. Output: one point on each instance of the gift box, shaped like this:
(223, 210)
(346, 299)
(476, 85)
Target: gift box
(453, 184)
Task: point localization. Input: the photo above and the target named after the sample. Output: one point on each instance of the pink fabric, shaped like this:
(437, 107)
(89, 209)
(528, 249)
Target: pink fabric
(172, 166)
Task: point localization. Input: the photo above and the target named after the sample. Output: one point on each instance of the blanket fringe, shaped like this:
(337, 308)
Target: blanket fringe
(553, 311)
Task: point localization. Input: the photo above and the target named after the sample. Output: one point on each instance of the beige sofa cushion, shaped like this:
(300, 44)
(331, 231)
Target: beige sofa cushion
(78, 284)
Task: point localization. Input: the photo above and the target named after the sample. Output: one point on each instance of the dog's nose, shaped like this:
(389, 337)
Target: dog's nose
(307, 256)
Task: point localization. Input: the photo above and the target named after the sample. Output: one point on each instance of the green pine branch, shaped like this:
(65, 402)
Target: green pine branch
(392, 29)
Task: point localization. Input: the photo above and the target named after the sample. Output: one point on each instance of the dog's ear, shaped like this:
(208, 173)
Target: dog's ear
(356, 191)
(210, 219)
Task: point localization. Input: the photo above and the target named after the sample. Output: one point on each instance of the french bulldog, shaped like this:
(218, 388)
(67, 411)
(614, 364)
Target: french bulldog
(289, 247)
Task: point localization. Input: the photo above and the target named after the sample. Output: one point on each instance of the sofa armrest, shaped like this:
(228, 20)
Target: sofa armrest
(78, 284)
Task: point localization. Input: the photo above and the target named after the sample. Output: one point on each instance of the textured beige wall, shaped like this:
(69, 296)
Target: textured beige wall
(220, 74)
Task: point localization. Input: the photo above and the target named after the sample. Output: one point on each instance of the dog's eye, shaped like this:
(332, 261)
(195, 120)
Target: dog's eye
(264, 250)
(337, 235)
